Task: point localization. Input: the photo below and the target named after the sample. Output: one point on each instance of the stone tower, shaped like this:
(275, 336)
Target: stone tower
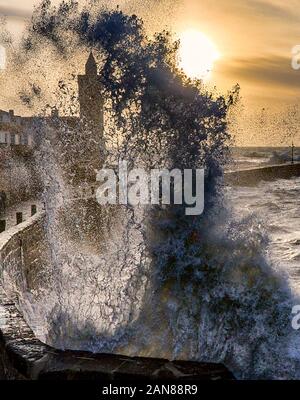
(90, 98)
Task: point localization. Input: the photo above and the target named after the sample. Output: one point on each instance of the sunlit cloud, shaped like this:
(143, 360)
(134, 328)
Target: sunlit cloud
(14, 12)
(272, 70)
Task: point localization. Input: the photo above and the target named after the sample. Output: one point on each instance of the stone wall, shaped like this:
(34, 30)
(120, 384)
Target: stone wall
(23, 253)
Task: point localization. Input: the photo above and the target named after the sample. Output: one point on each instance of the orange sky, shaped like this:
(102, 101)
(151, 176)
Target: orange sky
(254, 37)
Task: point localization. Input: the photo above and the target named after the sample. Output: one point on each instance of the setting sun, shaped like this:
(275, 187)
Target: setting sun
(197, 54)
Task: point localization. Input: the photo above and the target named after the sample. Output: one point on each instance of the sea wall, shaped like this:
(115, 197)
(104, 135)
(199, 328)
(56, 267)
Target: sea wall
(23, 252)
(251, 177)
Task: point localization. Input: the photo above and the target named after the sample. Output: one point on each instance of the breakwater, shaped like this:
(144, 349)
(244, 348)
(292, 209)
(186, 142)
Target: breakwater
(251, 177)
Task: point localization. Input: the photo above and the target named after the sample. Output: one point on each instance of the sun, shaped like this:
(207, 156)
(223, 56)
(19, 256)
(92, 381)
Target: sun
(2, 57)
(197, 54)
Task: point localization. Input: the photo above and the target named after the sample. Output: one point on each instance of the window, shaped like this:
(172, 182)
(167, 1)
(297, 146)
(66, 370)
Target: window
(24, 139)
(7, 138)
(2, 137)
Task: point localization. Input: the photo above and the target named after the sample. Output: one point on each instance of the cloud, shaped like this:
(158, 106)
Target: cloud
(15, 12)
(273, 70)
(268, 9)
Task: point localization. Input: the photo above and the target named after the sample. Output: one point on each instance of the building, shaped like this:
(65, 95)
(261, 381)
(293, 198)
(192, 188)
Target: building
(15, 130)
(20, 136)
(90, 97)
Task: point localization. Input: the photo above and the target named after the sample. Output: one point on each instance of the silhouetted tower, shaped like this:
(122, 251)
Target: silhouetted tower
(90, 98)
